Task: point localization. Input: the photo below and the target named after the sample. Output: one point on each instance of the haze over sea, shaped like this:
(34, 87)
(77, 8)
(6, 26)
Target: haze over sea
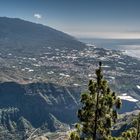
(130, 47)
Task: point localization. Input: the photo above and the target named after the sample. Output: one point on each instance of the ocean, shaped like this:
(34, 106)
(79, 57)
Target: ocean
(130, 47)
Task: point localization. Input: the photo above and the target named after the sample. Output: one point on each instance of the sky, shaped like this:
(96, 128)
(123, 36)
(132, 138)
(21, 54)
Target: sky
(80, 18)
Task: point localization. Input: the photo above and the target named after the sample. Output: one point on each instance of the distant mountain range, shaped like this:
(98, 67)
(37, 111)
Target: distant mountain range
(27, 107)
(21, 36)
(42, 73)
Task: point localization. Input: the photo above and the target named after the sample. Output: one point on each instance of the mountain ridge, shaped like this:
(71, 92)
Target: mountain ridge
(28, 37)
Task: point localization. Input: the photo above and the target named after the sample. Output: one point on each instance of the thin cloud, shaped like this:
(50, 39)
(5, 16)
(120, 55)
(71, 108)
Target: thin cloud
(38, 16)
(109, 35)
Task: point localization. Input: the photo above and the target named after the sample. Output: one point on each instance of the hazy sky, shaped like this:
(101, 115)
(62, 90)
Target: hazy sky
(81, 18)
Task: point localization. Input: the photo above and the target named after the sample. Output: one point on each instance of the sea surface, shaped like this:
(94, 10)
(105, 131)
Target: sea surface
(130, 47)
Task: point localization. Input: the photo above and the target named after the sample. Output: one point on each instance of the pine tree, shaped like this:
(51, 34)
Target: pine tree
(98, 111)
(134, 132)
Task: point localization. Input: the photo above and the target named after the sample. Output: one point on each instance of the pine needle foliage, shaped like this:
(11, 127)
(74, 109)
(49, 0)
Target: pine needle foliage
(98, 111)
(134, 132)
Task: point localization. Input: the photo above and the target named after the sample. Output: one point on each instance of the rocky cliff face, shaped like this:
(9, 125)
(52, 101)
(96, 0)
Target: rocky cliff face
(28, 107)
